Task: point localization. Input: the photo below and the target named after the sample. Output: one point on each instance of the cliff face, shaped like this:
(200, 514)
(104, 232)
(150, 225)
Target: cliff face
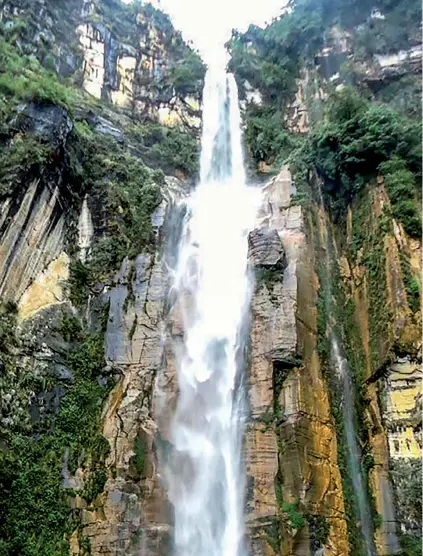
(99, 118)
(131, 513)
(129, 56)
(99, 121)
(296, 503)
(357, 275)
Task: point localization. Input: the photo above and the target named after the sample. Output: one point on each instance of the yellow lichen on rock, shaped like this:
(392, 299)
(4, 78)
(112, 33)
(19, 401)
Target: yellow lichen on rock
(126, 66)
(47, 289)
(315, 446)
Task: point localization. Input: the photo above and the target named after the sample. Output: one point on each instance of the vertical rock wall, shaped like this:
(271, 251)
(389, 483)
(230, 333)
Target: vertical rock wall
(291, 443)
(122, 57)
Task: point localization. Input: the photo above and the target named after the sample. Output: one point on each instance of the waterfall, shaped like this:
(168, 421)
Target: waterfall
(85, 231)
(348, 411)
(204, 476)
(354, 452)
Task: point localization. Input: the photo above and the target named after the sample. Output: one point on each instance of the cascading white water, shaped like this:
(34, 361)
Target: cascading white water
(205, 476)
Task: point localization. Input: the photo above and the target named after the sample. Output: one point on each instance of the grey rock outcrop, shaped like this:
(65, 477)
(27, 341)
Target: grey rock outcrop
(265, 248)
(49, 121)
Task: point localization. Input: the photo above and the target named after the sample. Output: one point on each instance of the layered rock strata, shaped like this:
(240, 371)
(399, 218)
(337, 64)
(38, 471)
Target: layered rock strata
(291, 449)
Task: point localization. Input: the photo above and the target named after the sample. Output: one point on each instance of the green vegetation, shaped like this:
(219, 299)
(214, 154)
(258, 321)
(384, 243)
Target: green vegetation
(184, 71)
(403, 191)
(411, 545)
(406, 476)
(319, 531)
(368, 236)
(336, 310)
(22, 78)
(323, 348)
(126, 193)
(397, 30)
(168, 148)
(271, 533)
(23, 156)
(187, 75)
(271, 59)
(269, 277)
(411, 283)
(121, 184)
(94, 482)
(267, 140)
(35, 516)
(140, 452)
(359, 137)
(295, 518)
(79, 283)
(355, 139)
(403, 95)
(50, 413)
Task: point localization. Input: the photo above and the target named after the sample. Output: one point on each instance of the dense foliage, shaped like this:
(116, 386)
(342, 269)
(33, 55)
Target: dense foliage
(356, 141)
(186, 76)
(270, 59)
(126, 192)
(266, 138)
(38, 453)
(22, 78)
(168, 148)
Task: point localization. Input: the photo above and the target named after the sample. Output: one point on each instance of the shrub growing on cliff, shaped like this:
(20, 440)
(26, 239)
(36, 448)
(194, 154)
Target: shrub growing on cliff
(22, 155)
(396, 30)
(125, 193)
(169, 148)
(403, 192)
(357, 137)
(22, 78)
(35, 516)
(187, 75)
(296, 520)
(266, 138)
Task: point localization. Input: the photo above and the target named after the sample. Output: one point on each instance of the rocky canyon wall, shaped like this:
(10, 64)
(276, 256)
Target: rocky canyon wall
(99, 125)
(99, 115)
(303, 111)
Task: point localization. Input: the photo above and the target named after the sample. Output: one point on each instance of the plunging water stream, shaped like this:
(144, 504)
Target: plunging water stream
(349, 416)
(205, 476)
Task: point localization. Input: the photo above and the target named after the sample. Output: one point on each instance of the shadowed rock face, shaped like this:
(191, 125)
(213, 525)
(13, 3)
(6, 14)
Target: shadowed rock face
(50, 122)
(32, 221)
(132, 513)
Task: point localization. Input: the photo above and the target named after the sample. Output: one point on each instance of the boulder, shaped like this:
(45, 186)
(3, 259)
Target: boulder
(265, 248)
(49, 121)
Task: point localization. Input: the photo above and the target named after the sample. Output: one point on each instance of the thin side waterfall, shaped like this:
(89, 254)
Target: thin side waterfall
(205, 477)
(355, 455)
(349, 415)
